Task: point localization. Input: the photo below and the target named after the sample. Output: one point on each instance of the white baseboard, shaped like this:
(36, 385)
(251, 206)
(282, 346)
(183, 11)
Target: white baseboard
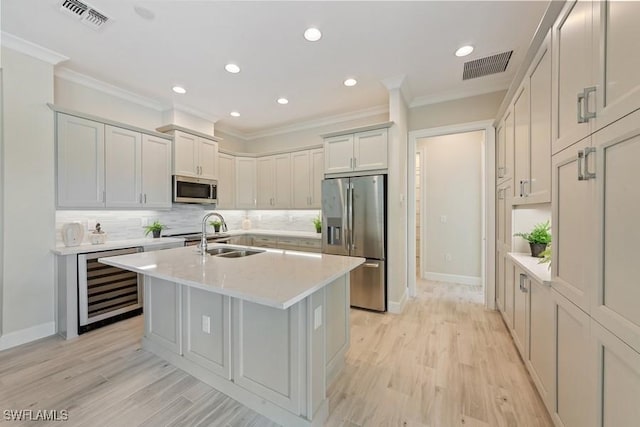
(396, 307)
(23, 336)
(453, 278)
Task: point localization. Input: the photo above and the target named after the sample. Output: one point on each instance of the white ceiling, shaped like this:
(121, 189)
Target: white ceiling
(189, 42)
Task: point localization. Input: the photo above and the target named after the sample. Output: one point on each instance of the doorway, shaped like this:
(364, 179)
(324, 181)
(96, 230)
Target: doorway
(446, 225)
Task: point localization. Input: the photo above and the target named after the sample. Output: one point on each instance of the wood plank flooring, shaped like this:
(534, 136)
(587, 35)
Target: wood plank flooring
(444, 362)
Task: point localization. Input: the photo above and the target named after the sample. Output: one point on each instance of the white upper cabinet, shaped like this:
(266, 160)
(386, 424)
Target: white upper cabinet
(307, 172)
(226, 181)
(246, 183)
(195, 156)
(509, 135)
(521, 142)
(123, 175)
(273, 186)
(107, 166)
(594, 76)
(355, 152)
(156, 172)
(80, 162)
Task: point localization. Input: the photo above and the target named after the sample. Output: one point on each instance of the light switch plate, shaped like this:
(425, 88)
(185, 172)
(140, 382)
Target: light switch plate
(206, 324)
(91, 224)
(317, 317)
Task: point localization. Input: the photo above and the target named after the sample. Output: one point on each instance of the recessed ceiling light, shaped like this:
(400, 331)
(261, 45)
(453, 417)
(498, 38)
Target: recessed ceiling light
(350, 82)
(232, 68)
(180, 90)
(464, 50)
(235, 114)
(312, 34)
(283, 101)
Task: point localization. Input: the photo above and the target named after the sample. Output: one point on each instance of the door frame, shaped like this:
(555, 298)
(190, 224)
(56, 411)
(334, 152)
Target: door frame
(489, 211)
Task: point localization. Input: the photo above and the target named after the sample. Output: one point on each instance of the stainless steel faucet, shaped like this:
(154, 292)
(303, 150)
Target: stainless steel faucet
(203, 242)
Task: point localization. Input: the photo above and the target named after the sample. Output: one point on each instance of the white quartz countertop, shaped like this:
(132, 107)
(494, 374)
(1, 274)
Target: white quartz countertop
(276, 278)
(539, 272)
(148, 242)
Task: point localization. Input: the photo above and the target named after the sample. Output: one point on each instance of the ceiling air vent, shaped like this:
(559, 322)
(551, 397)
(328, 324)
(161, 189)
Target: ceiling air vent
(87, 14)
(485, 66)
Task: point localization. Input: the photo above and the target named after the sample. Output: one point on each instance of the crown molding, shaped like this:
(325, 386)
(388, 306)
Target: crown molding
(195, 112)
(108, 88)
(422, 101)
(230, 131)
(398, 83)
(315, 123)
(28, 48)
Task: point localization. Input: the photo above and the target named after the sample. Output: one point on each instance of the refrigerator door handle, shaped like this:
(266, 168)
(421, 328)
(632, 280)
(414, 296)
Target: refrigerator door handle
(352, 222)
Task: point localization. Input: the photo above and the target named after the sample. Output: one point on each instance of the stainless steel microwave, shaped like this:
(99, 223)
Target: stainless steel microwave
(194, 190)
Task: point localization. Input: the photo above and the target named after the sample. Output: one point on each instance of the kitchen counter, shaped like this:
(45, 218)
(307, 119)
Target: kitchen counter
(275, 278)
(283, 233)
(115, 244)
(538, 272)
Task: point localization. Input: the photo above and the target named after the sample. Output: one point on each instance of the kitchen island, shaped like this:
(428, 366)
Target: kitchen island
(269, 329)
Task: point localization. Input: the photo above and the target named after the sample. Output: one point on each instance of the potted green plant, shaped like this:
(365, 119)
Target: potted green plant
(216, 225)
(538, 238)
(317, 222)
(155, 228)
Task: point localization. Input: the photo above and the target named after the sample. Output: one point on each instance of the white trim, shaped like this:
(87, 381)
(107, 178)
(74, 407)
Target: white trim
(84, 80)
(195, 112)
(453, 278)
(460, 94)
(396, 307)
(29, 48)
(310, 124)
(398, 83)
(23, 336)
(488, 276)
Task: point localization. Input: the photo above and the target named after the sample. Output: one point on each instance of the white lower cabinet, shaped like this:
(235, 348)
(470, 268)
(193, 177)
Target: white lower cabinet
(500, 281)
(509, 292)
(575, 400)
(520, 309)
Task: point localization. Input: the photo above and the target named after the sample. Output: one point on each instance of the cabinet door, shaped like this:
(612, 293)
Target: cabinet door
(501, 200)
(245, 182)
(617, 36)
(265, 170)
(618, 380)
(80, 168)
(500, 281)
(300, 179)
(617, 291)
(509, 135)
(338, 152)
(156, 172)
(226, 181)
(282, 181)
(500, 153)
(539, 188)
(574, 227)
(505, 212)
(509, 292)
(541, 341)
(575, 384)
(123, 151)
(521, 170)
(185, 158)
(317, 175)
(370, 150)
(572, 74)
(520, 314)
(208, 158)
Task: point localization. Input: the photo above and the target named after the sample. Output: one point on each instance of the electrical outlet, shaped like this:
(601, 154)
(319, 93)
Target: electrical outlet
(144, 222)
(448, 257)
(206, 324)
(91, 224)
(443, 219)
(290, 218)
(317, 317)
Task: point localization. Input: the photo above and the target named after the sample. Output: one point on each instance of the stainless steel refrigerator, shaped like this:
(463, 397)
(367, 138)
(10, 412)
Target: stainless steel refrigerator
(354, 223)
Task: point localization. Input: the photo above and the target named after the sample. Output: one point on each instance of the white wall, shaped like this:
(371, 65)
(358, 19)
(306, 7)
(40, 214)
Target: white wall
(29, 205)
(465, 110)
(524, 219)
(397, 204)
(452, 187)
(231, 142)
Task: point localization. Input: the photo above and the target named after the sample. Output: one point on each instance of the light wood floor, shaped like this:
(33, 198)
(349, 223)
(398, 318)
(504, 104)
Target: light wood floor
(444, 362)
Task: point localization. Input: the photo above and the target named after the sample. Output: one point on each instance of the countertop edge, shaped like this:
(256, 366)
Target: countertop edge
(539, 272)
(114, 244)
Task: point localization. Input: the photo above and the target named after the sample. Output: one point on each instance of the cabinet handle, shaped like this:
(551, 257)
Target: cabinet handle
(104, 195)
(581, 118)
(351, 163)
(523, 287)
(500, 172)
(588, 114)
(145, 198)
(588, 175)
(521, 188)
(580, 157)
(355, 162)
(140, 198)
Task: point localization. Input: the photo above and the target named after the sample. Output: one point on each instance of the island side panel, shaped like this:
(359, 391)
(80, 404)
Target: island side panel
(163, 319)
(268, 348)
(316, 357)
(206, 330)
(338, 326)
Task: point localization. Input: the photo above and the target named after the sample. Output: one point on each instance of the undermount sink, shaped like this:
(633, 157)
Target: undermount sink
(238, 254)
(231, 252)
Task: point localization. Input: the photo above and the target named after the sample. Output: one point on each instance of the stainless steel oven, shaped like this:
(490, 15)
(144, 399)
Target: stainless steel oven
(195, 190)
(105, 293)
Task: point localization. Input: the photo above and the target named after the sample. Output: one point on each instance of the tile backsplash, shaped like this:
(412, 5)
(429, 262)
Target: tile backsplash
(125, 224)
